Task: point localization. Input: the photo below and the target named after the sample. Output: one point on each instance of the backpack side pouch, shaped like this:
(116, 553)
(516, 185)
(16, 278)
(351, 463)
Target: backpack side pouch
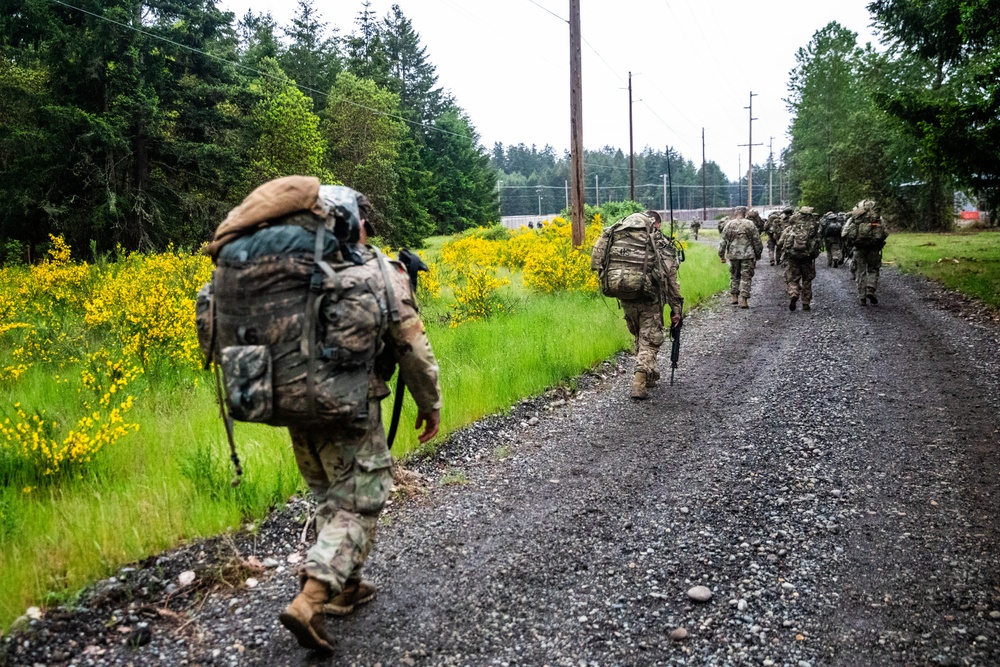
(249, 386)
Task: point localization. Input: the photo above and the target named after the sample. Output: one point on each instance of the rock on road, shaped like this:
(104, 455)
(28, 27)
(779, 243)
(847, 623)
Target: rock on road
(832, 477)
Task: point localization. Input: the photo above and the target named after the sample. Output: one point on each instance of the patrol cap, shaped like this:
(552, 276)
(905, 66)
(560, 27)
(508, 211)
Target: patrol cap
(654, 216)
(740, 210)
(806, 210)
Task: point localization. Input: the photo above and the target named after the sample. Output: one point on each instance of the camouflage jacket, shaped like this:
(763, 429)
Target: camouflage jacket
(406, 344)
(741, 240)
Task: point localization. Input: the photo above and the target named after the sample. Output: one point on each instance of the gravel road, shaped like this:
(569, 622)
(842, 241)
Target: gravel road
(831, 477)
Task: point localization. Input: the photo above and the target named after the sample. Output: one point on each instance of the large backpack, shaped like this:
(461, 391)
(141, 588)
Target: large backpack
(626, 260)
(295, 320)
(867, 232)
(799, 239)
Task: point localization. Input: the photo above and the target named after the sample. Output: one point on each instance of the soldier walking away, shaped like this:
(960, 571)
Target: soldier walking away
(832, 225)
(741, 245)
(695, 227)
(800, 243)
(637, 265)
(314, 355)
(865, 232)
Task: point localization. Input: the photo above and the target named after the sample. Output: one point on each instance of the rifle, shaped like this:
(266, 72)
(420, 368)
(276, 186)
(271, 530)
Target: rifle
(675, 347)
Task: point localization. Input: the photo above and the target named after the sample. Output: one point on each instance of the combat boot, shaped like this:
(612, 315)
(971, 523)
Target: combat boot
(356, 591)
(639, 386)
(734, 299)
(651, 378)
(792, 301)
(873, 299)
(304, 617)
(862, 301)
(805, 305)
(743, 302)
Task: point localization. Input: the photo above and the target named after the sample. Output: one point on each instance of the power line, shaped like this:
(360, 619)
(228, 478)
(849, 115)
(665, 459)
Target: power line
(549, 11)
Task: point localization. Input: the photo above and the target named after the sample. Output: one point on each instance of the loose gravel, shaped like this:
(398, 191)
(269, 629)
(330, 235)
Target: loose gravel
(816, 489)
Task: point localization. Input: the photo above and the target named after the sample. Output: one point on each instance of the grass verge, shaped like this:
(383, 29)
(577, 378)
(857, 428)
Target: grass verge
(966, 262)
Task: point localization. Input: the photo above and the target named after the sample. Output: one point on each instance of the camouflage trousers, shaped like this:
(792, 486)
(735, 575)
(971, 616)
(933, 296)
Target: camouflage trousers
(867, 264)
(645, 323)
(771, 245)
(349, 469)
(799, 274)
(834, 252)
(741, 276)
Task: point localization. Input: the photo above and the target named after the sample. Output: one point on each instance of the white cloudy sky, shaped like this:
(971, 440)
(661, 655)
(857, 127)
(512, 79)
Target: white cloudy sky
(693, 62)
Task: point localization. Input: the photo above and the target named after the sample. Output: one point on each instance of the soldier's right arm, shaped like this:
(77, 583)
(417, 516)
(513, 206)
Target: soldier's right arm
(412, 351)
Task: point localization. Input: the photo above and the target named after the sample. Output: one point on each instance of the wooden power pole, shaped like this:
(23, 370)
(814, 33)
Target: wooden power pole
(576, 123)
(631, 150)
(770, 174)
(750, 144)
(704, 197)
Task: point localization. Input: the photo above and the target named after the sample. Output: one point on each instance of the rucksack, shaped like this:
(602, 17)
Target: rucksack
(625, 259)
(798, 240)
(294, 318)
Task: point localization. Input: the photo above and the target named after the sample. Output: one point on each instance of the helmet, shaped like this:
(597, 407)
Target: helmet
(788, 210)
(344, 208)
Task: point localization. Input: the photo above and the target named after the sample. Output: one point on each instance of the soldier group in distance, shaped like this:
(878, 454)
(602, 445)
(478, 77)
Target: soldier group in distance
(795, 239)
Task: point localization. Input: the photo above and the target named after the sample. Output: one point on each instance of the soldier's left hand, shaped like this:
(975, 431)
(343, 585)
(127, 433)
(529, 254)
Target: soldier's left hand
(675, 319)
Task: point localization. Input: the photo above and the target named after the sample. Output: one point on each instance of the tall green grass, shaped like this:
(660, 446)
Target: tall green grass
(170, 481)
(967, 262)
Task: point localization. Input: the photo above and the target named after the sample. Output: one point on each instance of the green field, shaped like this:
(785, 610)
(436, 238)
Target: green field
(170, 481)
(967, 262)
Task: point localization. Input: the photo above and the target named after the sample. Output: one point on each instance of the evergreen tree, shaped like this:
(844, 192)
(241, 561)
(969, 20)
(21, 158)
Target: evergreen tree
(413, 77)
(465, 184)
(366, 52)
(311, 59)
(257, 38)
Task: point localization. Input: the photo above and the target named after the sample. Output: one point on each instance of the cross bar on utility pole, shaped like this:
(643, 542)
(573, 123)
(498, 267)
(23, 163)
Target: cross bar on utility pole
(750, 144)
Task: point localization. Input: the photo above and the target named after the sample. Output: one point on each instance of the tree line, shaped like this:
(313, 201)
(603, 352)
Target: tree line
(139, 123)
(531, 179)
(910, 126)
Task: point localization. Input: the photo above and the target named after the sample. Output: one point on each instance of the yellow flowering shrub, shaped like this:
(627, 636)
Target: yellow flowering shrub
(147, 306)
(38, 441)
(477, 299)
(470, 253)
(429, 283)
(552, 264)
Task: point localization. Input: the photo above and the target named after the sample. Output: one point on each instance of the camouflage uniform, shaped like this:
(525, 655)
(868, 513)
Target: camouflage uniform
(348, 466)
(695, 227)
(866, 263)
(772, 235)
(800, 269)
(832, 225)
(741, 245)
(645, 318)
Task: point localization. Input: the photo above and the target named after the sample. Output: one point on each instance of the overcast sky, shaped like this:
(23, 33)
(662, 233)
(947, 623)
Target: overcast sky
(693, 63)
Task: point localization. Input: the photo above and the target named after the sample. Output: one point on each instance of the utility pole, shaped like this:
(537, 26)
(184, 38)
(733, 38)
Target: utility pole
(704, 196)
(500, 197)
(664, 191)
(539, 203)
(566, 186)
(770, 174)
(631, 150)
(576, 122)
(597, 190)
(739, 176)
(750, 144)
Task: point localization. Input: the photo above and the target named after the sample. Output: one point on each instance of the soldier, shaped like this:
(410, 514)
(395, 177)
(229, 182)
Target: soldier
(695, 226)
(637, 265)
(741, 245)
(865, 233)
(832, 225)
(758, 222)
(349, 467)
(721, 226)
(800, 243)
(772, 235)
(645, 318)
